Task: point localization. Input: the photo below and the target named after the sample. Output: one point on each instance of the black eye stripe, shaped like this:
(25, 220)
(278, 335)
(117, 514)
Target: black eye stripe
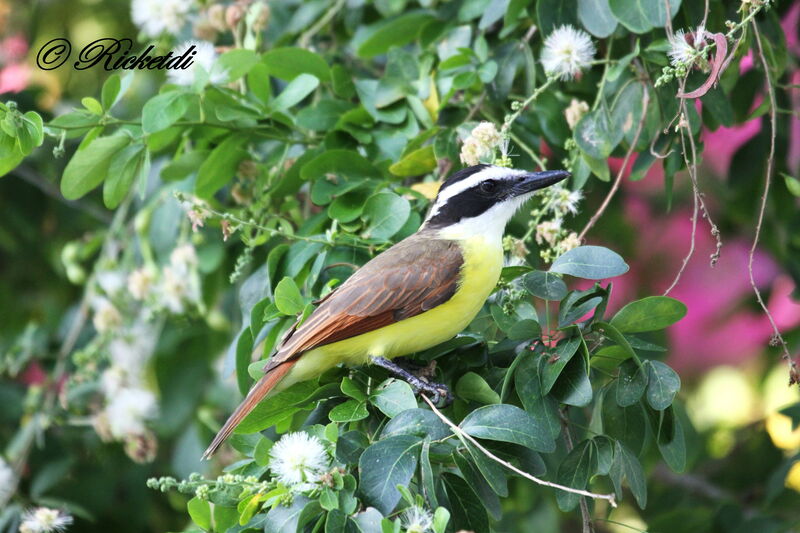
(470, 203)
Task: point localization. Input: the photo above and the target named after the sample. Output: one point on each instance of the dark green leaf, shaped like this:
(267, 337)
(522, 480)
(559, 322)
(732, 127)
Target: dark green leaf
(574, 471)
(385, 213)
(384, 465)
(648, 314)
(89, 166)
(349, 411)
(393, 396)
(545, 285)
(393, 32)
(472, 387)
(663, 385)
(508, 423)
(590, 262)
(632, 383)
(596, 17)
(418, 422)
(466, 508)
(627, 466)
(221, 165)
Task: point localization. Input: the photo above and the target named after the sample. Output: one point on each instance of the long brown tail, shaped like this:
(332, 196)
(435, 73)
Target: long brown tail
(256, 394)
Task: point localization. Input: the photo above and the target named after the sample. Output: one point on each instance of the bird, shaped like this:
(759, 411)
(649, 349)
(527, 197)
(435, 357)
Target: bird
(420, 292)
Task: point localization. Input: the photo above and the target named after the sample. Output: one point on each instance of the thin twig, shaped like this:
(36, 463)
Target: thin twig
(777, 338)
(596, 216)
(325, 19)
(459, 433)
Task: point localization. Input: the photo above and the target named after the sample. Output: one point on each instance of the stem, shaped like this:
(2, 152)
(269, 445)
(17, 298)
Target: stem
(515, 115)
(324, 19)
(596, 216)
(776, 337)
(461, 435)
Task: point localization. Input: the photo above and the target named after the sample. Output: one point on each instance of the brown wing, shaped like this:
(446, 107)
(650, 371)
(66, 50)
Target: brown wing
(411, 277)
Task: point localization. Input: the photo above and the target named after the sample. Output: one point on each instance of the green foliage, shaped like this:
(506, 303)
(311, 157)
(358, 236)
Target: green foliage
(320, 148)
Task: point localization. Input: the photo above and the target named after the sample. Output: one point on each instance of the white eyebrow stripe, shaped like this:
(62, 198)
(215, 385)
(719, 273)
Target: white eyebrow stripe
(491, 172)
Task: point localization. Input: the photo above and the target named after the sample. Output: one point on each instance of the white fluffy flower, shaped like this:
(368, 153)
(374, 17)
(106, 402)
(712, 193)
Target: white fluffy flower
(482, 141)
(183, 258)
(128, 410)
(548, 231)
(571, 241)
(565, 201)
(574, 113)
(6, 477)
(204, 56)
(155, 17)
(298, 460)
(106, 317)
(566, 52)
(177, 289)
(111, 281)
(140, 283)
(680, 51)
(416, 519)
(44, 520)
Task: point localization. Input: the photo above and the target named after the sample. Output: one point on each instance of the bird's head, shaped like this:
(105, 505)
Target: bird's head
(483, 198)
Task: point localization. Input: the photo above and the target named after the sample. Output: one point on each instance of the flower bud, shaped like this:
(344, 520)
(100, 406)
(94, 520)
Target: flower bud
(216, 17)
(233, 15)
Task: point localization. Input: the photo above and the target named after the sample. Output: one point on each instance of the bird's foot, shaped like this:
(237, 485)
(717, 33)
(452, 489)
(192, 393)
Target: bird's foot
(439, 393)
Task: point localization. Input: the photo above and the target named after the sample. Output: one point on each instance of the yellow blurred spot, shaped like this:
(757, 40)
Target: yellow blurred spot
(625, 519)
(428, 189)
(724, 398)
(793, 477)
(777, 394)
(720, 443)
(780, 431)
(431, 103)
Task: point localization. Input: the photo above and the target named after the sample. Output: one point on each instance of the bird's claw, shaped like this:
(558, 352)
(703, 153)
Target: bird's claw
(439, 393)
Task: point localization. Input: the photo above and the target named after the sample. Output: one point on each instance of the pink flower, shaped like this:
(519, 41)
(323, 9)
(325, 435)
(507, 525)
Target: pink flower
(14, 78)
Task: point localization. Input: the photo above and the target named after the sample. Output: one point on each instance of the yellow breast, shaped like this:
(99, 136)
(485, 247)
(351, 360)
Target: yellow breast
(483, 260)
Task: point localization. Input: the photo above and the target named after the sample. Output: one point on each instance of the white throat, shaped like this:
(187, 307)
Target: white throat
(490, 225)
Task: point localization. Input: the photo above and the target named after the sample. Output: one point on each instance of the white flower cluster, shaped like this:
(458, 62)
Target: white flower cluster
(155, 17)
(558, 201)
(574, 113)
(416, 519)
(6, 480)
(683, 47)
(566, 52)
(299, 461)
(180, 286)
(483, 140)
(204, 67)
(44, 520)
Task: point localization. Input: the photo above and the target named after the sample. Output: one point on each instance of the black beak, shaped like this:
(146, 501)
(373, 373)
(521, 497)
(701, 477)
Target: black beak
(533, 181)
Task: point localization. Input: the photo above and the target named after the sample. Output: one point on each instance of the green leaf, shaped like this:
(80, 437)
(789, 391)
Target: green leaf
(323, 115)
(285, 519)
(130, 163)
(529, 390)
(384, 465)
(342, 163)
(89, 166)
(597, 135)
(349, 411)
(200, 511)
(385, 213)
(237, 63)
(295, 92)
(110, 91)
(626, 424)
(590, 262)
(477, 483)
(393, 396)
(466, 508)
(573, 386)
(574, 471)
(633, 14)
(281, 406)
(545, 285)
(508, 423)
(792, 184)
(440, 519)
(418, 162)
(472, 387)
(418, 422)
(664, 384)
(288, 299)
(220, 166)
(648, 314)
(554, 364)
(670, 439)
(386, 34)
(627, 466)
(632, 383)
(526, 329)
(596, 17)
(225, 517)
(164, 110)
(289, 62)
(554, 13)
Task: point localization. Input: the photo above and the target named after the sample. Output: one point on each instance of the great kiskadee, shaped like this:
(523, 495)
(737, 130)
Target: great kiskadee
(420, 292)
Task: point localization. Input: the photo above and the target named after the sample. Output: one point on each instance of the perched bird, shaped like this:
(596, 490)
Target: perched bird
(420, 292)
